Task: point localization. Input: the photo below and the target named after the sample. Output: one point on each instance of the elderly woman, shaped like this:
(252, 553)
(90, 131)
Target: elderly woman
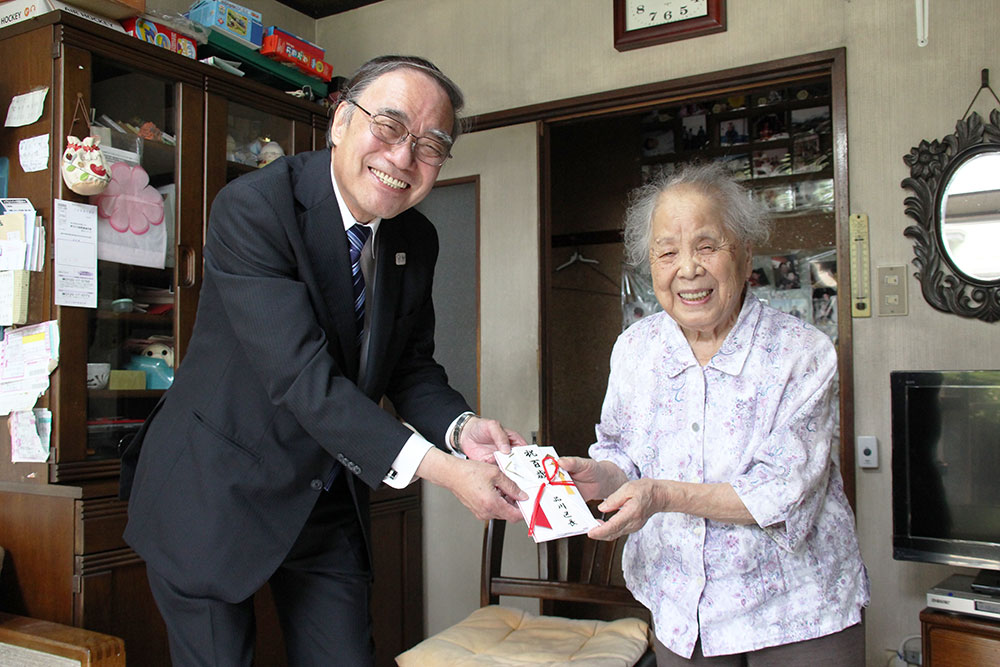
(715, 447)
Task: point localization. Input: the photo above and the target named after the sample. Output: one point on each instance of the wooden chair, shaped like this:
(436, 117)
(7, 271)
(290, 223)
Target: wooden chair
(588, 617)
(30, 642)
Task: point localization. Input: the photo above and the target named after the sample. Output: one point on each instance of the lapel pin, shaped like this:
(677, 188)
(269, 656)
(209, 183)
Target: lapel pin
(400, 258)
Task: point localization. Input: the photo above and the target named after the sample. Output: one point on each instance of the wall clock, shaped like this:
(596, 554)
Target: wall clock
(641, 23)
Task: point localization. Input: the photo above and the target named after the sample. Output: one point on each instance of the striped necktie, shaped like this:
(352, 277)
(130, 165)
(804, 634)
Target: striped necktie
(357, 235)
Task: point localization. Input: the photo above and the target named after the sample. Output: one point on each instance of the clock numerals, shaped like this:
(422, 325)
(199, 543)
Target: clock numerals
(665, 11)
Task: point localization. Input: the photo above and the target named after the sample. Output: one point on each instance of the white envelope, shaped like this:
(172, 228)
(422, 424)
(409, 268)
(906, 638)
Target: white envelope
(555, 507)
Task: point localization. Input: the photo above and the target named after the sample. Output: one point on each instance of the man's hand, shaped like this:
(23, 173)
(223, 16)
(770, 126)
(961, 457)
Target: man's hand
(595, 479)
(481, 437)
(487, 492)
(635, 501)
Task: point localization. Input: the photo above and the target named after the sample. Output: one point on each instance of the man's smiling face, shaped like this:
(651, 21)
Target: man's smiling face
(378, 180)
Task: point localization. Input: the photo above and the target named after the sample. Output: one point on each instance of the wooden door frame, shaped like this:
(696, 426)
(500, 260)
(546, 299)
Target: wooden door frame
(831, 63)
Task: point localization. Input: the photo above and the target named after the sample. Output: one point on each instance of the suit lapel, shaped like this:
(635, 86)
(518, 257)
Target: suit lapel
(326, 245)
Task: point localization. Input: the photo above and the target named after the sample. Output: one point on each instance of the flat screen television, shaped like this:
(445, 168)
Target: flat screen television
(946, 470)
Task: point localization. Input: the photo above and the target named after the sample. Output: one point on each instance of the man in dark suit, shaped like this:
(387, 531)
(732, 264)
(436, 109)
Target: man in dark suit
(316, 302)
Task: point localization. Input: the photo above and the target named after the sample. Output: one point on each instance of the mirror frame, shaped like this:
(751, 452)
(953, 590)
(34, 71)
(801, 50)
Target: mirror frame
(944, 285)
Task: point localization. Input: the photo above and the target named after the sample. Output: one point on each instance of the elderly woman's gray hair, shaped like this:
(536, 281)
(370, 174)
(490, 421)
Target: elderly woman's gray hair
(742, 215)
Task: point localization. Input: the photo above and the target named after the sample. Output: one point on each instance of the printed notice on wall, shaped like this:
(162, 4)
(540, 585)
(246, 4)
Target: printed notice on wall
(75, 228)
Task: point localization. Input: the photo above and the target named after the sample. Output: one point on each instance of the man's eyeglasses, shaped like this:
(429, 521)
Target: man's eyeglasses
(389, 130)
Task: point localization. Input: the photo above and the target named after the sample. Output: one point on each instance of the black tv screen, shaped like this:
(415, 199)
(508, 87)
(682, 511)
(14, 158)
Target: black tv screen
(946, 467)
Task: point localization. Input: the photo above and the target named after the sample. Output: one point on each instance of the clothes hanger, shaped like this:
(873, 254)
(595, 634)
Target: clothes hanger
(576, 257)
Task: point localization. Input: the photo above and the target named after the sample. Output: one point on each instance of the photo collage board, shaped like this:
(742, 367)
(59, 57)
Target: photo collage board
(801, 283)
(777, 140)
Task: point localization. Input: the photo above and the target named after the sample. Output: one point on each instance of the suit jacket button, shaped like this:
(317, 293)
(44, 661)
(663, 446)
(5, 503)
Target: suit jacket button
(316, 484)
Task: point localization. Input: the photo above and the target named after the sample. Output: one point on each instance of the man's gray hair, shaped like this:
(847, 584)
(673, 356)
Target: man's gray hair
(376, 67)
(742, 215)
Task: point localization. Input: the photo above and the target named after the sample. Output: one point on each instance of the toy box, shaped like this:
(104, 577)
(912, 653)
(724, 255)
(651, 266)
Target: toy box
(161, 35)
(286, 47)
(229, 19)
(16, 11)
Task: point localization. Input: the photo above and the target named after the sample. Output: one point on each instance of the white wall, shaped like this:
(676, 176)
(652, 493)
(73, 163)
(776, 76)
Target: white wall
(508, 373)
(511, 53)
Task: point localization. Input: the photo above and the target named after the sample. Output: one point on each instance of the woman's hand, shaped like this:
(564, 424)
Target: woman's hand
(635, 502)
(595, 479)
(638, 500)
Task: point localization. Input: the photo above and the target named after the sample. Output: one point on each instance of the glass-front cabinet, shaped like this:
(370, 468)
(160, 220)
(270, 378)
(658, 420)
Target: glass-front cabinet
(164, 122)
(246, 131)
(131, 337)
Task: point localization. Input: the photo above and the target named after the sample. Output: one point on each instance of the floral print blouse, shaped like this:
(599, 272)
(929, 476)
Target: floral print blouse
(762, 416)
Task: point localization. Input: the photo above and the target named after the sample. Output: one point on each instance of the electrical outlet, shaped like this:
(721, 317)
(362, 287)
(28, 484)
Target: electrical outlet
(867, 451)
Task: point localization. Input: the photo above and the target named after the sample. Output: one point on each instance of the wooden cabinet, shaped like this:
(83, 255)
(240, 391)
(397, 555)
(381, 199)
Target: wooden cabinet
(61, 521)
(958, 640)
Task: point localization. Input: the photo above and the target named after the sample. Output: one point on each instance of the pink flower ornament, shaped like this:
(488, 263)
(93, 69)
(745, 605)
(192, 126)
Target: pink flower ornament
(130, 203)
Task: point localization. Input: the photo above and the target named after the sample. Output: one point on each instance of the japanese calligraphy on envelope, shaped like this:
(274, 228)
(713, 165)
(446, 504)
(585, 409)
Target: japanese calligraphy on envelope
(554, 508)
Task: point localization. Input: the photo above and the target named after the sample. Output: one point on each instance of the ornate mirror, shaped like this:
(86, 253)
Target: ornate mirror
(956, 203)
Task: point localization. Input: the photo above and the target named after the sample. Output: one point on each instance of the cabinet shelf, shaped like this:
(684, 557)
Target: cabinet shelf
(261, 68)
(163, 319)
(125, 393)
(237, 169)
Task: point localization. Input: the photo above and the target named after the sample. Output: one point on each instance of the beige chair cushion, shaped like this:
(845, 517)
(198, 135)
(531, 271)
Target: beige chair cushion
(497, 635)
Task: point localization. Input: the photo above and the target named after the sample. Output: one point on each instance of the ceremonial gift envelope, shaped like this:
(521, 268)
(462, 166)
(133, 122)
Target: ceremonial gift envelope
(555, 507)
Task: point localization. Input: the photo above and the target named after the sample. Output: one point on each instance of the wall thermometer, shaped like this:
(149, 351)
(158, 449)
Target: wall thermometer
(861, 302)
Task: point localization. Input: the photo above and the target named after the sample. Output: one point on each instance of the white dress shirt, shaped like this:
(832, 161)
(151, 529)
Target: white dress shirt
(404, 468)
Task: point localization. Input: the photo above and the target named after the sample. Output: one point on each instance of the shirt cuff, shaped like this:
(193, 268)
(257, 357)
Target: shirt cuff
(405, 466)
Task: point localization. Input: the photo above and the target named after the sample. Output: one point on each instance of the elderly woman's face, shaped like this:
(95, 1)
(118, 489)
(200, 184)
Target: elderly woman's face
(698, 268)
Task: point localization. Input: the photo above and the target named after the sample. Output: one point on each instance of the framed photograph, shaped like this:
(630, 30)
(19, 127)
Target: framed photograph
(822, 269)
(808, 154)
(785, 270)
(660, 169)
(814, 195)
(825, 311)
(695, 133)
(737, 165)
(777, 199)
(760, 271)
(772, 162)
(814, 120)
(733, 132)
(659, 142)
(797, 303)
(769, 127)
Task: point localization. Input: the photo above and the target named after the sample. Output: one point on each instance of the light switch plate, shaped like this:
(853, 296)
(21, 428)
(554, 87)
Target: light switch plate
(891, 290)
(867, 451)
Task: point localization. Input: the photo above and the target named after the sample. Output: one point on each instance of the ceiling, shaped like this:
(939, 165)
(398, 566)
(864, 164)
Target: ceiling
(318, 9)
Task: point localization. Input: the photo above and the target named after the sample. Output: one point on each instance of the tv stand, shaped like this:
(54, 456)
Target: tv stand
(988, 582)
(958, 639)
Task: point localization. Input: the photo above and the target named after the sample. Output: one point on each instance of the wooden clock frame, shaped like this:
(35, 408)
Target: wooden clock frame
(714, 21)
